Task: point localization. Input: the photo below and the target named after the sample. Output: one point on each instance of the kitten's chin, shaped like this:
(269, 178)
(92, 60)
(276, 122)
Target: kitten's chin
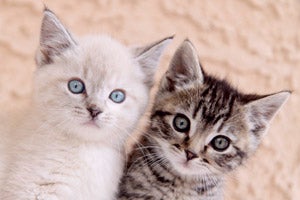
(91, 124)
(91, 131)
(190, 169)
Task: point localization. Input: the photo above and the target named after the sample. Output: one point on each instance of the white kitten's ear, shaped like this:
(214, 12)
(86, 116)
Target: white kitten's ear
(184, 68)
(54, 39)
(261, 111)
(148, 57)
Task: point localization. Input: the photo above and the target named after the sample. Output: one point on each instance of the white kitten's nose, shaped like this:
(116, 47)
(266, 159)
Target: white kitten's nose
(94, 111)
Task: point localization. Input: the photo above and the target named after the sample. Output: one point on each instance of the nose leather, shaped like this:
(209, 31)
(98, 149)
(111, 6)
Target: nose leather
(94, 111)
(190, 155)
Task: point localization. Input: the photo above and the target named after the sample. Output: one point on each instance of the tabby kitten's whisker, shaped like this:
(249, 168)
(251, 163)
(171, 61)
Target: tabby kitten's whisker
(200, 129)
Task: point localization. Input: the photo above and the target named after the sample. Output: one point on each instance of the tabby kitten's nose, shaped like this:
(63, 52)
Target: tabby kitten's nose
(190, 155)
(94, 111)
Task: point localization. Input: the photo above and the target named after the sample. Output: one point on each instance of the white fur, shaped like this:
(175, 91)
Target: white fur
(54, 152)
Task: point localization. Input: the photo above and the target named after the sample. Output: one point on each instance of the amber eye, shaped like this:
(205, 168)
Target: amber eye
(181, 123)
(220, 143)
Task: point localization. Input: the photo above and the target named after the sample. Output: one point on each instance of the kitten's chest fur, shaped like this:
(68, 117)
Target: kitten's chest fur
(148, 179)
(92, 172)
(64, 170)
(99, 171)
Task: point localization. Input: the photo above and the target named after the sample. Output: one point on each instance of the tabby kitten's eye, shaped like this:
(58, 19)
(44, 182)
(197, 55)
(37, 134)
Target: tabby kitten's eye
(220, 143)
(76, 86)
(181, 123)
(117, 96)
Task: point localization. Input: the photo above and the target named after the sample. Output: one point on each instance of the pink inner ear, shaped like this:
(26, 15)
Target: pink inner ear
(263, 110)
(267, 106)
(184, 67)
(148, 58)
(54, 38)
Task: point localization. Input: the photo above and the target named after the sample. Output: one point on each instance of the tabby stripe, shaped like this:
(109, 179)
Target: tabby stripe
(198, 108)
(160, 113)
(240, 153)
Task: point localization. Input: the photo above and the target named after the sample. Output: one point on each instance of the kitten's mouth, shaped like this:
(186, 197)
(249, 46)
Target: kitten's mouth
(186, 164)
(92, 124)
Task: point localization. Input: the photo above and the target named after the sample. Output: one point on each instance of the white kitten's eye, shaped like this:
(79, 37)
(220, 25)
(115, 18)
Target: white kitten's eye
(220, 143)
(117, 96)
(76, 86)
(181, 123)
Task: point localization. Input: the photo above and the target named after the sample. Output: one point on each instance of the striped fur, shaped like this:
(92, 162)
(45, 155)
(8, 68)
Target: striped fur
(171, 164)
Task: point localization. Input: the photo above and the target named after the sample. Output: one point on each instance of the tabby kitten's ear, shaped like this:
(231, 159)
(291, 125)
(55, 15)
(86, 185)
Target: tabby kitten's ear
(261, 111)
(54, 39)
(184, 69)
(148, 57)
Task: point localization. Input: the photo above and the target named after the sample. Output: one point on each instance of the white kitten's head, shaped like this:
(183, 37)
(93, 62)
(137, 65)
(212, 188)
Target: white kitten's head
(93, 88)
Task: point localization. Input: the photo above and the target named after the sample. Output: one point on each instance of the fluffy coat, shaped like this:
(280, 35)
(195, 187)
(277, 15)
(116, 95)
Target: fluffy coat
(60, 149)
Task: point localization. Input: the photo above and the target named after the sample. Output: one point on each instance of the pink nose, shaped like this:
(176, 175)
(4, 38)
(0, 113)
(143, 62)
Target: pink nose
(190, 155)
(94, 111)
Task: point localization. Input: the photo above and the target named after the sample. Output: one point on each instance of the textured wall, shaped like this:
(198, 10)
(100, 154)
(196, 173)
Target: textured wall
(254, 43)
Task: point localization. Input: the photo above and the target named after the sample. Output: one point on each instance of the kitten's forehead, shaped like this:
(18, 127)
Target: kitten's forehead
(208, 102)
(104, 50)
(103, 60)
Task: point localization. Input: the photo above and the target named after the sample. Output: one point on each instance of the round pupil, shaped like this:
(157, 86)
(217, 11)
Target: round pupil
(76, 86)
(221, 143)
(117, 96)
(181, 123)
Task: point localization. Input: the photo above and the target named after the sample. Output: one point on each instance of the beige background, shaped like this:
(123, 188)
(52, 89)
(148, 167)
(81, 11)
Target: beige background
(254, 43)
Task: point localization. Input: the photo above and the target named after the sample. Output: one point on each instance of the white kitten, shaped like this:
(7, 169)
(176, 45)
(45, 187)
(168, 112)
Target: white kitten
(88, 97)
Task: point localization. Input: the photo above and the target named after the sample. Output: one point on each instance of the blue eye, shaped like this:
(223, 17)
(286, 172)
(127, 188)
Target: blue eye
(76, 86)
(117, 96)
(181, 123)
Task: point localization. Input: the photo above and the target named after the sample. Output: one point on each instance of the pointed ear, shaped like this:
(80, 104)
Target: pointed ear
(260, 112)
(184, 68)
(148, 57)
(54, 39)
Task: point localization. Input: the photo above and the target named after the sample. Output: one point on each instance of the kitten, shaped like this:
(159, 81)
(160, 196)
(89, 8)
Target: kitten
(88, 96)
(201, 128)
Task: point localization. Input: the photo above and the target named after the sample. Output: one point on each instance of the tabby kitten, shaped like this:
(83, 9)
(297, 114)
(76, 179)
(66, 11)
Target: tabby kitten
(201, 128)
(88, 96)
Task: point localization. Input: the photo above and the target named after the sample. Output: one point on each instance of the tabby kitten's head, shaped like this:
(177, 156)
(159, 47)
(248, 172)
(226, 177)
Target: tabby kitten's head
(202, 125)
(93, 87)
